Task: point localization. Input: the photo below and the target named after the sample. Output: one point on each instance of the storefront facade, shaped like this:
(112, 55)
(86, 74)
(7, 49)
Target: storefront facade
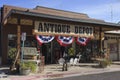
(112, 42)
(49, 22)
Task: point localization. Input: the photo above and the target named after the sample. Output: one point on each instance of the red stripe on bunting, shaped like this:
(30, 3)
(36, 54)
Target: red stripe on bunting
(82, 41)
(39, 42)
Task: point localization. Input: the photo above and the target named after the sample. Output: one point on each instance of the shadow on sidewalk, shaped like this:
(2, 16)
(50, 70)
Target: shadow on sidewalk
(4, 69)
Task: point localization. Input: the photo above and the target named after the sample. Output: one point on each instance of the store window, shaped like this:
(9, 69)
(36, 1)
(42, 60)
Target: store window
(88, 51)
(30, 42)
(12, 46)
(12, 43)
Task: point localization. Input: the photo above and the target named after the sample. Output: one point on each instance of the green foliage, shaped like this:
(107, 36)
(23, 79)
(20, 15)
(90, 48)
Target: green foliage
(104, 63)
(33, 66)
(24, 65)
(71, 51)
(28, 65)
(12, 53)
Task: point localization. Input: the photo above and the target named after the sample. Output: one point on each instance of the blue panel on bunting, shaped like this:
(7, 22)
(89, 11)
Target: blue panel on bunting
(44, 39)
(64, 41)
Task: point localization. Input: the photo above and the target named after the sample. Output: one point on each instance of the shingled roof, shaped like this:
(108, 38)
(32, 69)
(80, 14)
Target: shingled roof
(40, 11)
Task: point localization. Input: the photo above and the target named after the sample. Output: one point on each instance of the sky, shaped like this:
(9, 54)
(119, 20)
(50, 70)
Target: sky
(107, 10)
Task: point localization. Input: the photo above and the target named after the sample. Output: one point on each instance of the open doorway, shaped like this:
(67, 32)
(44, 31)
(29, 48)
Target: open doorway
(46, 52)
(51, 51)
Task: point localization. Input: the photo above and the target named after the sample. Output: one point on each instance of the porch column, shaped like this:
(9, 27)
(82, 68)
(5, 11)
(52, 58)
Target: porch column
(100, 39)
(18, 40)
(73, 45)
(18, 36)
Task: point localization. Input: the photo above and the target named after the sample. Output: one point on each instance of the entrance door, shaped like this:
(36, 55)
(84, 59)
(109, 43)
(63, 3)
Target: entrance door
(51, 51)
(46, 51)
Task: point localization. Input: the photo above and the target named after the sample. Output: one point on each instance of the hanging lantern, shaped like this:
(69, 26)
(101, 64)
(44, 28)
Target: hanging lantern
(44, 39)
(64, 41)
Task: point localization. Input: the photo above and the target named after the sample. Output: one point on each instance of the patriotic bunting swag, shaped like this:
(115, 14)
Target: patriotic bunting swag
(82, 41)
(64, 41)
(44, 39)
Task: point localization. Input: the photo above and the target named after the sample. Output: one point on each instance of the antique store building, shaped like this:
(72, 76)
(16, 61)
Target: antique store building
(62, 29)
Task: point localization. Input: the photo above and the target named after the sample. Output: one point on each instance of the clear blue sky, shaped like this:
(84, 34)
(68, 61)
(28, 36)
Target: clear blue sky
(108, 10)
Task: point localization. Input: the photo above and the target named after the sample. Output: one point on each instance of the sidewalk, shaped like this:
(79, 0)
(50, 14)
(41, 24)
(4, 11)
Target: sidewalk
(55, 71)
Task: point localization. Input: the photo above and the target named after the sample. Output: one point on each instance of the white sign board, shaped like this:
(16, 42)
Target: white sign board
(30, 50)
(23, 36)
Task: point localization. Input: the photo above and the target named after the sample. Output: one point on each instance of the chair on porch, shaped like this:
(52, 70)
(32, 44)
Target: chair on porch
(71, 61)
(60, 63)
(75, 61)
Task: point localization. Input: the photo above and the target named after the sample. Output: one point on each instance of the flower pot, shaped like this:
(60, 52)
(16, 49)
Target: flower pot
(25, 71)
(104, 63)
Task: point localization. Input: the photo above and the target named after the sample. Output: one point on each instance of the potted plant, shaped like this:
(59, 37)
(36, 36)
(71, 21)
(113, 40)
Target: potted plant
(104, 63)
(24, 68)
(27, 67)
(33, 66)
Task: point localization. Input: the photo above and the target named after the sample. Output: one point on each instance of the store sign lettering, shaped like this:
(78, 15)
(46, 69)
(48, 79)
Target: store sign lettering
(49, 27)
(62, 28)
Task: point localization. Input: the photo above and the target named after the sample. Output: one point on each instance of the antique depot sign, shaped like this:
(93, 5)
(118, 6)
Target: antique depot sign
(48, 28)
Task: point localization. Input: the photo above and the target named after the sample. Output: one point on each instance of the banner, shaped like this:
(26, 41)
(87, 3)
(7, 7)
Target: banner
(65, 41)
(82, 41)
(44, 39)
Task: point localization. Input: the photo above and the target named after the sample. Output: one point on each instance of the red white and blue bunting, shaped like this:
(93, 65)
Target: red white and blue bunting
(44, 39)
(82, 41)
(64, 41)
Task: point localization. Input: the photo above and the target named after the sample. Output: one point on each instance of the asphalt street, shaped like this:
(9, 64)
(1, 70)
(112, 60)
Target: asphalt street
(102, 76)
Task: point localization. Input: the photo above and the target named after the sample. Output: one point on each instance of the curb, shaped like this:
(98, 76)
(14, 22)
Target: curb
(60, 75)
(63, 75)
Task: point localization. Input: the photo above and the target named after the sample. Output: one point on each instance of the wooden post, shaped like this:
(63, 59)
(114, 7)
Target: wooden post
(100, 39)
(18, 50)
(18, 37)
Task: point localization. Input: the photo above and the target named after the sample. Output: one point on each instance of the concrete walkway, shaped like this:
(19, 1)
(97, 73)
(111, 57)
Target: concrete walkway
(55, 71)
